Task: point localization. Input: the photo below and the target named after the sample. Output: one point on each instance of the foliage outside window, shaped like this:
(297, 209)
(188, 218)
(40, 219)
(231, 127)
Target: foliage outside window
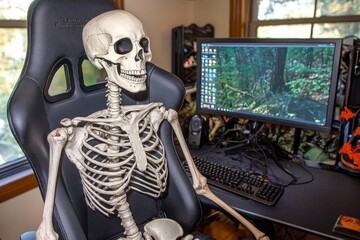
(12, 48)
(92, 75)
(305, 18)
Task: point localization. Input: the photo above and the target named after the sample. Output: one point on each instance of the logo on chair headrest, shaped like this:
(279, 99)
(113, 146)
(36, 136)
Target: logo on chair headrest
(71, 22)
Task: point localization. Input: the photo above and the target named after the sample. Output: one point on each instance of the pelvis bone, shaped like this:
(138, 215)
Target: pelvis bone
(164, 229)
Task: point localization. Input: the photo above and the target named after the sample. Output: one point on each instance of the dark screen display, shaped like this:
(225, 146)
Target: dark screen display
(290, 82)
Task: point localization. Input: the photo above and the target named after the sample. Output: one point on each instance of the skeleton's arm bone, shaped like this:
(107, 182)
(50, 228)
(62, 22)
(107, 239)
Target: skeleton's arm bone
(200, 182)
(57, 140)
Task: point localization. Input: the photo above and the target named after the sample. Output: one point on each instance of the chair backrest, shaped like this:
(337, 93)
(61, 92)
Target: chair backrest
(54, 39)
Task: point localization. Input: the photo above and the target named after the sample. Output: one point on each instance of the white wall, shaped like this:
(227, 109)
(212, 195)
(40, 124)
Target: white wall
(20, 214)
(23, 213)
(214, 12)
(161, 16)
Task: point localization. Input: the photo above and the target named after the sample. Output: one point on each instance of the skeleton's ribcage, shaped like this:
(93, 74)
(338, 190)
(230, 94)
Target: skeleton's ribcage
(110, 165)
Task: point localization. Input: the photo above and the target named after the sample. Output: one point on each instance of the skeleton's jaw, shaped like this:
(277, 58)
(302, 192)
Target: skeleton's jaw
(136, 76)
(132, 80)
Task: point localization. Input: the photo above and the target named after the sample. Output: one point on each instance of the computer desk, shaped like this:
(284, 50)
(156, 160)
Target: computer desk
(312, 207)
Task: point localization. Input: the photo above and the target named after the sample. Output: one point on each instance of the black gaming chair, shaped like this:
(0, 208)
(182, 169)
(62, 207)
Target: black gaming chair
(54, 38)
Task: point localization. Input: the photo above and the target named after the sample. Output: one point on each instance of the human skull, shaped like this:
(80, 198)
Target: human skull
(117, 42)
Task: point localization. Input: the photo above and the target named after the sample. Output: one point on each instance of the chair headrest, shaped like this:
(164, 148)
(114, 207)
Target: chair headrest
(55, 32)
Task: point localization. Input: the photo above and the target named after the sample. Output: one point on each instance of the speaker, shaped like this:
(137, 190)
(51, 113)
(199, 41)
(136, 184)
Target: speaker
(196, 132)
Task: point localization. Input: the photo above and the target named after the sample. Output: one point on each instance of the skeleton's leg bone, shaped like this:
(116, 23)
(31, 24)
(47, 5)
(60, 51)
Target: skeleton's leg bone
(57, 140)
(200, 182)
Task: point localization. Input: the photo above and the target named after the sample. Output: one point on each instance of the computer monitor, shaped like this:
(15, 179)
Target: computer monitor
(290, 82)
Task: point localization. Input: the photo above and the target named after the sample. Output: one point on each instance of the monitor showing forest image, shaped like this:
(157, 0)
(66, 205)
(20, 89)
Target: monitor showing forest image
(285, 81)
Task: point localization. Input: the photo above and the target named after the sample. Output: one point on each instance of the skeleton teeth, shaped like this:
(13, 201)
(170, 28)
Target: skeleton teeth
(137, 76)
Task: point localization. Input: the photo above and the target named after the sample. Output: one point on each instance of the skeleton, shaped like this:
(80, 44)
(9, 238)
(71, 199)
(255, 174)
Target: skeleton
(118, 148)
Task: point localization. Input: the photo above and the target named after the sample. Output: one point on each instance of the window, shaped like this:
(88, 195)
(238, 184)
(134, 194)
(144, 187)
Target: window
(12, 49)
(305, 18)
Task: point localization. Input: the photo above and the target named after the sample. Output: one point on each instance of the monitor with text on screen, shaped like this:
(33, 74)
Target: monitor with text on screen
(282, 81)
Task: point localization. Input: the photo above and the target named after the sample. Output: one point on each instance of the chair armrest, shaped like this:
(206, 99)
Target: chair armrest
(28, 236)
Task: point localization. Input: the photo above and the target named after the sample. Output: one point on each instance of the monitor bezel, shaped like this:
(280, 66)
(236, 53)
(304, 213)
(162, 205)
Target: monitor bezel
(270, 119)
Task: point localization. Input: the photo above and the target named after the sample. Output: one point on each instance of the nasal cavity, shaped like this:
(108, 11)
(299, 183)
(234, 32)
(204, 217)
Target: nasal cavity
(139, 56)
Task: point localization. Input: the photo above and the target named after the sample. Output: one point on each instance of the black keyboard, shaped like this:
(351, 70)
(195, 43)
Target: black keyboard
(241, 182)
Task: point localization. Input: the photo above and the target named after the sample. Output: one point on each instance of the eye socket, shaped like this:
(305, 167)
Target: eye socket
(123, 46)
(144, 43)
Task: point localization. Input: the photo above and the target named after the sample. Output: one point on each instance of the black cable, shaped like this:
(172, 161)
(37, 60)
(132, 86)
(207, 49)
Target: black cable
(247, 151)
(246, 140)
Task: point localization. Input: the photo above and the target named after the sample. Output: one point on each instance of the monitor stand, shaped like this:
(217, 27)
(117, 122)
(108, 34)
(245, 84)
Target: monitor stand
(297, 140)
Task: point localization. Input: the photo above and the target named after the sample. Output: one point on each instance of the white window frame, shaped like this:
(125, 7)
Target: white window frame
(17, 175)
(255, 23)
